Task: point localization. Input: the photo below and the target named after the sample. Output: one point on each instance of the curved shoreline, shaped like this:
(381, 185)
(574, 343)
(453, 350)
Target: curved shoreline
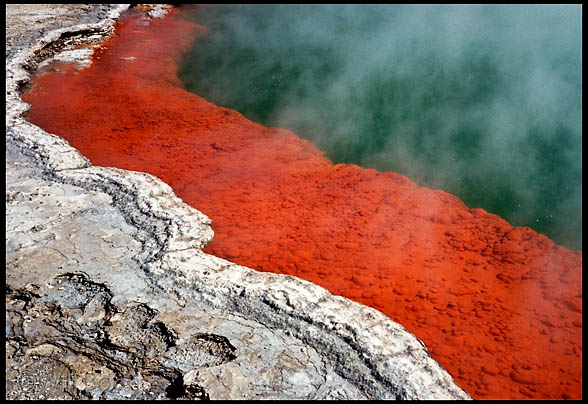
(355, 339)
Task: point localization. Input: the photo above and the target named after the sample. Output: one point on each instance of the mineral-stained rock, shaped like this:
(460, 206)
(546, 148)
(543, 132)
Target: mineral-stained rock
(110, 296)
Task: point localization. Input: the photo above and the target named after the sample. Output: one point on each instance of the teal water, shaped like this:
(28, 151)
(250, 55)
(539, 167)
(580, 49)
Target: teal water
(484, 102)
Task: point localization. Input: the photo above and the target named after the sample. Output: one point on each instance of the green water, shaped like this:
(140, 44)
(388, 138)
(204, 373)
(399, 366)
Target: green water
(483, 102)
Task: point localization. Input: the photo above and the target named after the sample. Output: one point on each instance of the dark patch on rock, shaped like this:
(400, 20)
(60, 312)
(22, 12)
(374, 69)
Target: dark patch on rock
(67, 340)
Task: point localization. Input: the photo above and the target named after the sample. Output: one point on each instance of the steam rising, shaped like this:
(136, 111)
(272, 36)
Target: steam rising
(483, 102)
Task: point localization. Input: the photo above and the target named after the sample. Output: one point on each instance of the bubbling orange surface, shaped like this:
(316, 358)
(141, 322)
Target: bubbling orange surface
(500, 307)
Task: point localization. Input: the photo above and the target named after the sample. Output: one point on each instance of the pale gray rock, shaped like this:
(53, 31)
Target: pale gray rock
(158, 10)
(109, 295)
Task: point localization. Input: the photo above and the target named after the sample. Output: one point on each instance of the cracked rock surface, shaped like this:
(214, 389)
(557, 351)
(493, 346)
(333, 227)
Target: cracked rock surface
(110, 296)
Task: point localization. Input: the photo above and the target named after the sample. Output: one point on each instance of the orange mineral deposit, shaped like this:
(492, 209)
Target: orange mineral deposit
(500, 307)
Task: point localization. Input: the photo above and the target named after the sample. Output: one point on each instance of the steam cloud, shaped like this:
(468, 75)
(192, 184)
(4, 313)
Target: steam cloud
(483, 102)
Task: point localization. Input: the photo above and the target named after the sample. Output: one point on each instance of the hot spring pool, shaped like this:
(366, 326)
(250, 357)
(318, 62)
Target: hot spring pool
(499, 307)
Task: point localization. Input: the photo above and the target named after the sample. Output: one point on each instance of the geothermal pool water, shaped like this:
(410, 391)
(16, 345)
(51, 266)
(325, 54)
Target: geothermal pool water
(500, 307)
(482, 102)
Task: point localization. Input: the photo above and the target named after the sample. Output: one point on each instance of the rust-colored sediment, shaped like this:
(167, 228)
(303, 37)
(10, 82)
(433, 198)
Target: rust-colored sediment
(499, 307)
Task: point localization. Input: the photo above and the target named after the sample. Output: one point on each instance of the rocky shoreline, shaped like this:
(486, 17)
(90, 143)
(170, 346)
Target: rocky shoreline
(106, 277)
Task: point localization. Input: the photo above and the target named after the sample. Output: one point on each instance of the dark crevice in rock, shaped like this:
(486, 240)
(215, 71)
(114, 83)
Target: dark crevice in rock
(177, 389)
(216, 345)
(52, 48)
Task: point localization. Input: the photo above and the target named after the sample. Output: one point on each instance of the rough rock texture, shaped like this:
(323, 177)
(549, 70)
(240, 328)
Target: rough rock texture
(109, 294)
